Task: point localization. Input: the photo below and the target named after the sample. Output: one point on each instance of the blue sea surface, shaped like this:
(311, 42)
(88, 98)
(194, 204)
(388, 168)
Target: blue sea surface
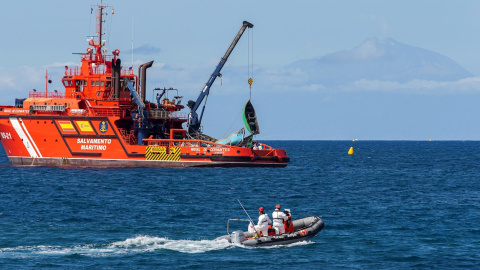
(390, 205)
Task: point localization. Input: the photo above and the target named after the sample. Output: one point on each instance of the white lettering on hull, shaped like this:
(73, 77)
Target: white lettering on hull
(6, 135)
(96, 144)
(93, 147)
(94, 141)
(214, 150)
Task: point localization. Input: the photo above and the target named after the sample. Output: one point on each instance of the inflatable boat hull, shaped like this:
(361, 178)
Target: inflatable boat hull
(305, 228)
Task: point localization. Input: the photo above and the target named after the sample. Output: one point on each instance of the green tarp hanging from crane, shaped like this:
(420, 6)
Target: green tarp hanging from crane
(250, 119)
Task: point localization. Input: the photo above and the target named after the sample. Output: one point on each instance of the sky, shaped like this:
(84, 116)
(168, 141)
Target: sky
(187, 38)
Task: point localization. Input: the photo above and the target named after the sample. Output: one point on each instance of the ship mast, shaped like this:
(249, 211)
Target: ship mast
(46, 82)
(98, 46)
(99, 22)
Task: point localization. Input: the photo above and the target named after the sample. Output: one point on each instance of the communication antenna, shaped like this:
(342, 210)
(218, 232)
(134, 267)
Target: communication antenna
(47, 81)
(132, 42)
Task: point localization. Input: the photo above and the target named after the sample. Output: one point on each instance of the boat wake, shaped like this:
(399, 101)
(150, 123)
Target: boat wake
(138, 244)
(149, 244)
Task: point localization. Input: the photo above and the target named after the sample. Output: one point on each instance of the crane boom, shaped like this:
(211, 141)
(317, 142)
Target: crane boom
(193, 124)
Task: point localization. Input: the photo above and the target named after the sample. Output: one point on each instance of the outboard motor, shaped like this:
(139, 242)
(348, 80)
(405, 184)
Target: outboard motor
(237, 237)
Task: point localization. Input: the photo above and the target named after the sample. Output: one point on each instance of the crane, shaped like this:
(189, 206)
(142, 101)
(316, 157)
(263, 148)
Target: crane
(193, 124)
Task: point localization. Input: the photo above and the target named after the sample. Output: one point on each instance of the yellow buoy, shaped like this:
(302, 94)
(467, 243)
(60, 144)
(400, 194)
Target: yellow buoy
(350, 151)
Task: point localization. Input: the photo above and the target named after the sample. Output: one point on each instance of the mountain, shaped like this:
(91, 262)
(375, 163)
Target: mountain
(383, 60)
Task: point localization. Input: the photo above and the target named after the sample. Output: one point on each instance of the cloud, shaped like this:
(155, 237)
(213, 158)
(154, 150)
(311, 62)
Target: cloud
(17, 77)
(146, 49)
(278, 91)
(189, 80)
(314, 87)
(61, 64)
(17, 82)
(6, 81)
(425, 87)
(379, 23)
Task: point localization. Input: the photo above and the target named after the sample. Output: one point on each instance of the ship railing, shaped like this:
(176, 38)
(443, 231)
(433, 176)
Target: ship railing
(159, 114)
(34, 94)
(72, 71)
(110, 98)
(203, 143)
(184, 143)
(107, 58)
(92, 57)
(126, 71)
(88, 57)
(99, 69)
(108, 112)
(47, 108)
(128, 136)
(179, 115)
(261, 146)
(234, 219)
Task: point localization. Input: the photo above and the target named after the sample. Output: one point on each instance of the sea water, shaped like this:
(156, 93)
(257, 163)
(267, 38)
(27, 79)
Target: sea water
(392, 204)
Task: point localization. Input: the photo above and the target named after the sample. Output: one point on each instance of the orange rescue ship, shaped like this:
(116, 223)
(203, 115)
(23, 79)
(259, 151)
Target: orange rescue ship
(103, 119)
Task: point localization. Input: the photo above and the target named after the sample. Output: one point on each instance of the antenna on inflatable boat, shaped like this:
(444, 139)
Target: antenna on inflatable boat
(256, 233)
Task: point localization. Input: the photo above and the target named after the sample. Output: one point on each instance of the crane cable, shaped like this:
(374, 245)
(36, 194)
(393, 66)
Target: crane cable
(250, 77)
(250, 74)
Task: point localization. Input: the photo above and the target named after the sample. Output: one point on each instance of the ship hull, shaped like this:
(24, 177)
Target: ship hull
(119, 163)
(82, 141)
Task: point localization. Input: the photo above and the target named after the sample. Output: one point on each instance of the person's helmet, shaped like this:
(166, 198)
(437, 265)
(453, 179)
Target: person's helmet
(260, 209)
(278, 206)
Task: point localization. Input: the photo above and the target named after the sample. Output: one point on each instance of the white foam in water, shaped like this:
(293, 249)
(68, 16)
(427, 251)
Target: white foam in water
(138, 244)
(147, 243)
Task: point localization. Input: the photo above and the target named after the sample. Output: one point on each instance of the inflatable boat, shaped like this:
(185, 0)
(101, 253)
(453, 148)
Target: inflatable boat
(303, 229)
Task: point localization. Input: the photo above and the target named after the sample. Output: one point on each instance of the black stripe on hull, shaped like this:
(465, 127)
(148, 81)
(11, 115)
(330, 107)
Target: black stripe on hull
(98, 162)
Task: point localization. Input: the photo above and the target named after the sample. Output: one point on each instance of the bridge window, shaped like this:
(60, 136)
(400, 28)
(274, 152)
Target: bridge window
(67, 83)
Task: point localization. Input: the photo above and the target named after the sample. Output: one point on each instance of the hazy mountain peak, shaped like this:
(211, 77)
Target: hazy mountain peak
(369, 49)
(384, 60)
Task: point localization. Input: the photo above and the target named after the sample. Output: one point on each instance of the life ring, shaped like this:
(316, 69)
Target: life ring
(89, 50)
(116, 52)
